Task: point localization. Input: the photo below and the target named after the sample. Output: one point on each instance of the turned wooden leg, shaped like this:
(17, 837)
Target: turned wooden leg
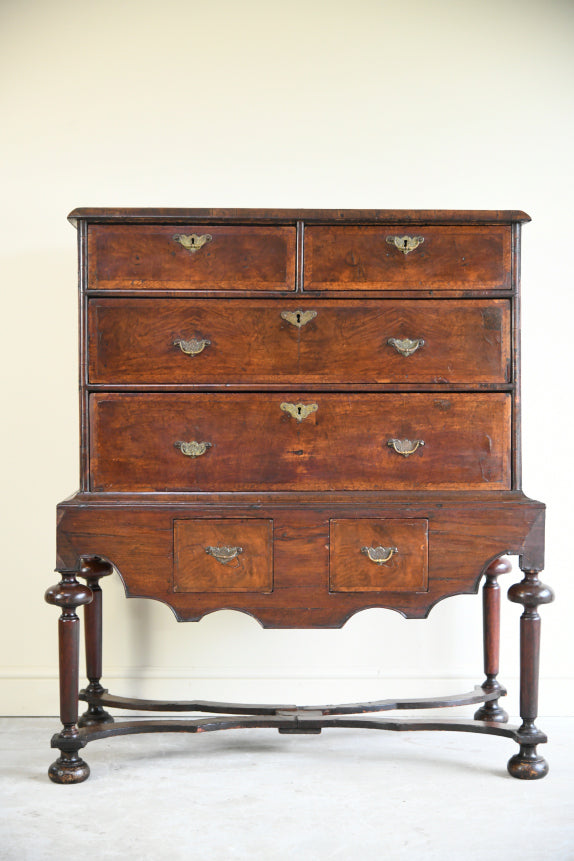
(68, 594)
(93, 568)
(530, 592)
(491, 711)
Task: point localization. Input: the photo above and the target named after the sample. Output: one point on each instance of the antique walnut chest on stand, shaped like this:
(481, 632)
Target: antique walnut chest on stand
(298, 415)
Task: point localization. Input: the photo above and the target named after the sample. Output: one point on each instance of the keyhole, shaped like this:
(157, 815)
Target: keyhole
(298, 411)
(405, 243)
(193, 240)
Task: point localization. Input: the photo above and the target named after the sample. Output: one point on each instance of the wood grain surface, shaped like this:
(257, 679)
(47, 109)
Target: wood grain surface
(134, 341)
(257, 445)
(347, 258)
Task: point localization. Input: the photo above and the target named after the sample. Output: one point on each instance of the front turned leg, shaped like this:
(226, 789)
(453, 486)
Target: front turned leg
(93, 569)
(530, 592)
(68, 594)
(491, 711)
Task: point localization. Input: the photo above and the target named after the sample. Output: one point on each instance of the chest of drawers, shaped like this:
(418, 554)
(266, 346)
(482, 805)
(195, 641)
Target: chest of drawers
(298, 415)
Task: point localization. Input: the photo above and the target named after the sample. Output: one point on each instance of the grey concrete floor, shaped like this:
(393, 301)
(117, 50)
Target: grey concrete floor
(255, 794)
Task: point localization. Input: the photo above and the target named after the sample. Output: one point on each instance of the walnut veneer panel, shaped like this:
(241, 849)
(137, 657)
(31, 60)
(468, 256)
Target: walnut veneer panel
(360, 258)
(226, 555)
(147, 257)
(247, 341)
(256, 444)
(382, 555)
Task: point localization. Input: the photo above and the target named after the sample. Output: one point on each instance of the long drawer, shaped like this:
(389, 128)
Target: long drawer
(196, 257)
(413, 258)
(242, 341)
(278, 441)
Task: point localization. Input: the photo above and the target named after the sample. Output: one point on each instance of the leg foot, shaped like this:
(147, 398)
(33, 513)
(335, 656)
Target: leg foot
(69, 768)
(491, 712)
(95, 716)
(527, 764)
(530, 592)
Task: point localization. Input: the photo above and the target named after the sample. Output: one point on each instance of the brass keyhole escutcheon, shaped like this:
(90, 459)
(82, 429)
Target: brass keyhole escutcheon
(406, 244)
(193, 241)
(298, 318)
(299, 411)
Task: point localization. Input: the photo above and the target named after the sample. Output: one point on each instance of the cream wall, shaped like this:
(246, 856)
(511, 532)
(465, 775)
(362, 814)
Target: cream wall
(448, 104)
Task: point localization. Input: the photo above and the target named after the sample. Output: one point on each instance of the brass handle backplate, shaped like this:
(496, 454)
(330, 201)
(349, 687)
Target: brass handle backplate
(193, 241)
(298, 318)
(405, 446)
(193, 347)
(193, 449)
(224, 554)
(299, 411)
(406, 244)
(379, 555)
(406, 346)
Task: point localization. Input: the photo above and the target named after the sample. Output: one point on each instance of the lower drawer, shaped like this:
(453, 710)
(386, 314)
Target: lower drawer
(315, 441)
(224, 555)
(380, 555)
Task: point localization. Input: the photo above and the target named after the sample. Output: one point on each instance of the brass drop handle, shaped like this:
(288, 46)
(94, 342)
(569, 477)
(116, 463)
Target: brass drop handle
(193, 347)
(193, 449)
(405, 446)
(192, 242)
(406, 346)
(298, 318)
(224, 554)
(379, 555)
(406, 244)
(299, 411)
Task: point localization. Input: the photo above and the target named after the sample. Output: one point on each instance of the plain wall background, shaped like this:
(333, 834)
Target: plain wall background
(444, 104)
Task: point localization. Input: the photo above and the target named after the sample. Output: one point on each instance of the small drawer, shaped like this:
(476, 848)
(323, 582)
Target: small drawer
(240, 341)
(223, 555)
(192, 257)
(407, 258)
(378, 555)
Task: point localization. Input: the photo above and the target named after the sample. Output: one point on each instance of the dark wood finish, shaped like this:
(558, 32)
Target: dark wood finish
(490, 710)
(68, 594)
(257, 445)
(527, 764)
(351, 570)
(134, 341)
(467, 531)
(475, 696)
(93, 569)
(195, 570)
(137, 215)
(358, 258)
(300, 498)
(237, 258)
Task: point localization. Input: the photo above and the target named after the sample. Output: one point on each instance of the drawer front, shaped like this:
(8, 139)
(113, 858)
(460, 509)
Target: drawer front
(378, 555)
(256, 441)
(446, 258)
(223, 555)
(145, 257)
(194, 341)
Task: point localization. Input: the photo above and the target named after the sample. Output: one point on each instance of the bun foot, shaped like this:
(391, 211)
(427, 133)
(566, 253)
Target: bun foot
(95, 716)
(491, 712)
(69, 768)
(527, 764)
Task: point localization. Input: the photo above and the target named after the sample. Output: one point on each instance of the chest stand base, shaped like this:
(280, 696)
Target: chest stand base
(97, 723)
